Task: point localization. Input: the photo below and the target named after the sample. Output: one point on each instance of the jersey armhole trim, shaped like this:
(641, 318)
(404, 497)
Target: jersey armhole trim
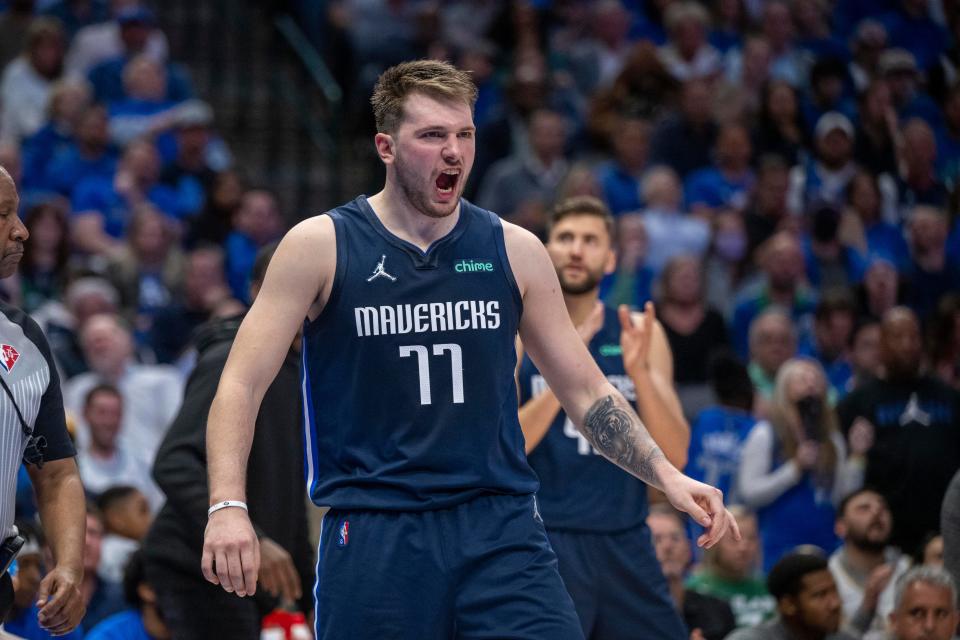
(340, 270)
(505, 261)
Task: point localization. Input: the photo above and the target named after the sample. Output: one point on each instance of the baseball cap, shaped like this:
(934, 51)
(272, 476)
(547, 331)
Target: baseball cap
(193, 113)
(897, 60)
(831, 121)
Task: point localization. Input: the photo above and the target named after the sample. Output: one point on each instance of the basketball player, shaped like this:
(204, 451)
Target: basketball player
(412, 299)
(594, 512)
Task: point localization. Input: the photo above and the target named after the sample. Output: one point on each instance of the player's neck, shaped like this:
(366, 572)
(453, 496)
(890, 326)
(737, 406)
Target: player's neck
(579, 305)
(406, 222)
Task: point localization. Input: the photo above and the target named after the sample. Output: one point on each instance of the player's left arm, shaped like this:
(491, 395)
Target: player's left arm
(649, 363)
(601, 413)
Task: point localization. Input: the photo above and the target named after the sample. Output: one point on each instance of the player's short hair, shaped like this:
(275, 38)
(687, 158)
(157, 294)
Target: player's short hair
(786, 577)
(433, 78)
(582, 206)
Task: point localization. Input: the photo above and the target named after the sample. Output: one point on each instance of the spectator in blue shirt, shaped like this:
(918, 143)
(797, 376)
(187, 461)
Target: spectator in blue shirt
(776, 22)
(879, 237)
(830, 262)
(620, 177)
(144, 109)
(932, 272)
(898, 67)
(632, 283)
(881, 289)
(827, 92)
(781, 260)
(919, 181)
(102, 206)
(718, 433)
(795, 468)
(727, 184)
(832, 327)
(824, 177)
(144, 621)
(257, 223)
(911, 27)
(136, 25)
(90, 155)
(68, 100)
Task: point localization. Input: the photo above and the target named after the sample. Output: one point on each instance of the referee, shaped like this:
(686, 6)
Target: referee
(33, 429)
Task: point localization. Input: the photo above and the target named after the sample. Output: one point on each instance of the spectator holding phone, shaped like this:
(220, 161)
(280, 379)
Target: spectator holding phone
(794, 466)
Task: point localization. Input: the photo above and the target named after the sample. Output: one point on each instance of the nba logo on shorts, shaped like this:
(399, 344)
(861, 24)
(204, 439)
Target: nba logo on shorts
(343, 537)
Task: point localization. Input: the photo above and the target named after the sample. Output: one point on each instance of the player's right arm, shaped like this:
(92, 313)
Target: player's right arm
(296, 285)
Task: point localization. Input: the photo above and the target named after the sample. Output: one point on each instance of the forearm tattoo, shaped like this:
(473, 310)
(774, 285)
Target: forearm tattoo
(614, 430)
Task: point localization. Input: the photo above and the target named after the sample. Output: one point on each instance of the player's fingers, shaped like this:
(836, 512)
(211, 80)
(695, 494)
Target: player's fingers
(650, 313)
(719, 515)
(699, 515)
(235, 572)
(249, 569)
(206, 565)
(223, 572)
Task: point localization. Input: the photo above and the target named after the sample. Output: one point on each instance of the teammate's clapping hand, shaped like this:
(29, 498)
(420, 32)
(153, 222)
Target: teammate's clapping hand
(635, 338)
(705, 505)
(231, 552)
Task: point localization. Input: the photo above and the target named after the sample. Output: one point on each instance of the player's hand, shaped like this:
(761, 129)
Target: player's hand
(59, 601)
(807, 453)
(635, 338)
(861, 437)
(704, 504)
(591, 324)
(277, 573)
(231, 552)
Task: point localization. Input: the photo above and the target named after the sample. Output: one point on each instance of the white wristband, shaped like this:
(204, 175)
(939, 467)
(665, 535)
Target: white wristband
(225, 504)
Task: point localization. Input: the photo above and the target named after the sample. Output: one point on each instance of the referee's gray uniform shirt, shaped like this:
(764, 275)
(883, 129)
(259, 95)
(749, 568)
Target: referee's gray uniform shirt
(27, 368)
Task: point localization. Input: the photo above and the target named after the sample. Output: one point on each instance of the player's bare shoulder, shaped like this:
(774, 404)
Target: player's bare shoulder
(528, 257)
(306, 261)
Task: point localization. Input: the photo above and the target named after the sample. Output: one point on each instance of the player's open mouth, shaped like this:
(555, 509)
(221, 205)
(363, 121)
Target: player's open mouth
(447, 181)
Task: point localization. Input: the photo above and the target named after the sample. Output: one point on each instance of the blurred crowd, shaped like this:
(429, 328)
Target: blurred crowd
(784, 175)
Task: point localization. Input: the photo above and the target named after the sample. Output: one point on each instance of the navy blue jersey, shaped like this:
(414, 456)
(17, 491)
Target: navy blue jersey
(580, 490)
(410, 400)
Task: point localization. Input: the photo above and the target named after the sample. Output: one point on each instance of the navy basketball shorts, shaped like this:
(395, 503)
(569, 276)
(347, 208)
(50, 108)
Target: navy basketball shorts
(616, 585)
(482, 569)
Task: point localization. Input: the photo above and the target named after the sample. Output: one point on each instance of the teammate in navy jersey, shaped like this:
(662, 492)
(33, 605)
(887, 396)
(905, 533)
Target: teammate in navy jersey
(412, 299)
(593, 511)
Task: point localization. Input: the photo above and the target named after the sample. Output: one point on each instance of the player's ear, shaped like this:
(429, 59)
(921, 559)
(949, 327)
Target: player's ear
(385, 148)
(611, 263)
